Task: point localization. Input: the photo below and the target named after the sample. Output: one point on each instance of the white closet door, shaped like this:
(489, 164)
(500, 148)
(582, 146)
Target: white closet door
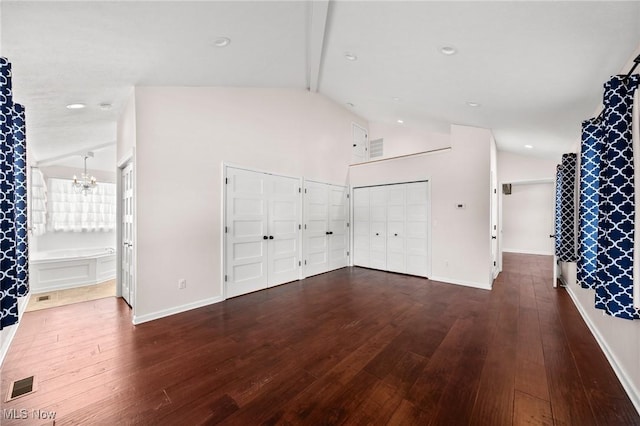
(284, 219)
(338, 231)
(417, 257)
(316, 241)
(396, 228)
(378, 227)
(246, 246)
(361, 228)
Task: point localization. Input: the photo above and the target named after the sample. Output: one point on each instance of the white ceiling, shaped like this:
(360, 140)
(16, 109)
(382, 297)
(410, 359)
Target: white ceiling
(536, 68)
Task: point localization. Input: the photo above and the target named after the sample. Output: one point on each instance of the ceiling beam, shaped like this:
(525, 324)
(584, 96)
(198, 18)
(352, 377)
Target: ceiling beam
(318, 13)
(53, 160)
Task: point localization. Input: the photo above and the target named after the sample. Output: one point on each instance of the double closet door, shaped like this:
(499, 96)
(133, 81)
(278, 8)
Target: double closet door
(262, 232)
(391, 226)
(326, 235)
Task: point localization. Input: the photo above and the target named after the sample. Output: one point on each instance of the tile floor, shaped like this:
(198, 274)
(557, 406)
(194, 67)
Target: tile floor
(72, 295)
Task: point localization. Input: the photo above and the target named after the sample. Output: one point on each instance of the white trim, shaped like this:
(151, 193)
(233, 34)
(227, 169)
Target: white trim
(632, 391)
(139, 319)
(462, 282)
(6, 341)
(525, 251)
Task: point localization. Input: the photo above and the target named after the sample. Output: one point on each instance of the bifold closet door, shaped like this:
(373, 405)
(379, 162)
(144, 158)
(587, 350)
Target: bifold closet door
(396, 255)
(417, 228)
(361, 228)
(378, 227)
(326, 236)
(391, 227)
(262, 246)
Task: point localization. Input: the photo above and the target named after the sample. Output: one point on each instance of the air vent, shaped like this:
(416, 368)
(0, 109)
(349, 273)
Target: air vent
(21, 387)
(43, 298)
(376, 148)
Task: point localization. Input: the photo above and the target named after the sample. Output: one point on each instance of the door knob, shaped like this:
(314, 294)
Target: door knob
(552, 236)
(271, 237)
(377, 233)
(395, 235)
(328, 233)
(265, 237)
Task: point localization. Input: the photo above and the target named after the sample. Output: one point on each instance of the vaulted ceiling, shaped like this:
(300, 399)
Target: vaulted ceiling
(536, 69)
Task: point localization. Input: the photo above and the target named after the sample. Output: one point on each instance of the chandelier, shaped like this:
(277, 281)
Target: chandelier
(86, 183)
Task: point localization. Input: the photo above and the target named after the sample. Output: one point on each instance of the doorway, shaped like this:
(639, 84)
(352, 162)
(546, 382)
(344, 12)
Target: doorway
(527, 219)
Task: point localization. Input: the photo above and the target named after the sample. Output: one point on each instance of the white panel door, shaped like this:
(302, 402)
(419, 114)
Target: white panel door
(396, 228)
(316, 222)
(284, 220)
(246, 231)
(378, 227)
(361, 228)
(128, 263)
(359, 149)
(338, 230)
(417, 228)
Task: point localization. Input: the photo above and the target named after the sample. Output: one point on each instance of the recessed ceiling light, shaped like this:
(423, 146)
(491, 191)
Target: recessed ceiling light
(350, 105)
(351, 56)
(473, 104)
(448, 50)
(105, 106)
(76, 106)
(528, 146)
(222, 42)
(396, 99)
(400, 121)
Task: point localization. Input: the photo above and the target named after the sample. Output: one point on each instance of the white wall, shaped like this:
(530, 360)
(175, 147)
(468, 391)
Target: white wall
(619, 338)
(517, 168)
(460, 241)
(402, 140)
(183, 136)
(528, 218)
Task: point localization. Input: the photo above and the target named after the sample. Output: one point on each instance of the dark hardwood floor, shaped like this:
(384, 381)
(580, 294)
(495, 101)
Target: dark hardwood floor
(353, 346)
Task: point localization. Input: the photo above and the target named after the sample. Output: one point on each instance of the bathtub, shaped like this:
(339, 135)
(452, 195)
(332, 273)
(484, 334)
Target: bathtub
(69, 268)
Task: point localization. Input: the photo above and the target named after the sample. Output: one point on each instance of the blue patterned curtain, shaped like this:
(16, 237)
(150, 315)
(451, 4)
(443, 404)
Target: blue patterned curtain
(20, 199)
(14, 277)
(616, 215)
(590, 155)
(558, 215)
(8, 264)
(565, 209)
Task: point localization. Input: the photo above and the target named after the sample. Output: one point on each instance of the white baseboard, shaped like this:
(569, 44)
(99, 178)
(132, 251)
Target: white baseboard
(11, 330)
(525, 251)
(139, 319)
(628, 386)
(462, 282)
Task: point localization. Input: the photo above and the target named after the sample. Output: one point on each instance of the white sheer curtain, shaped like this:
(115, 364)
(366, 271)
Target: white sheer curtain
(72, 211)
(38, 202)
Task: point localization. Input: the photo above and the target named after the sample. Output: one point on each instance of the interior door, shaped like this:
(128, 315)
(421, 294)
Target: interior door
(128, 261)
(396, 257)
(417, 229)
(338, 230)
(284, 220)
(246, 231)
(378, 227)
(359, 149)
(316, 241)
(494, 226)
(361, 228)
